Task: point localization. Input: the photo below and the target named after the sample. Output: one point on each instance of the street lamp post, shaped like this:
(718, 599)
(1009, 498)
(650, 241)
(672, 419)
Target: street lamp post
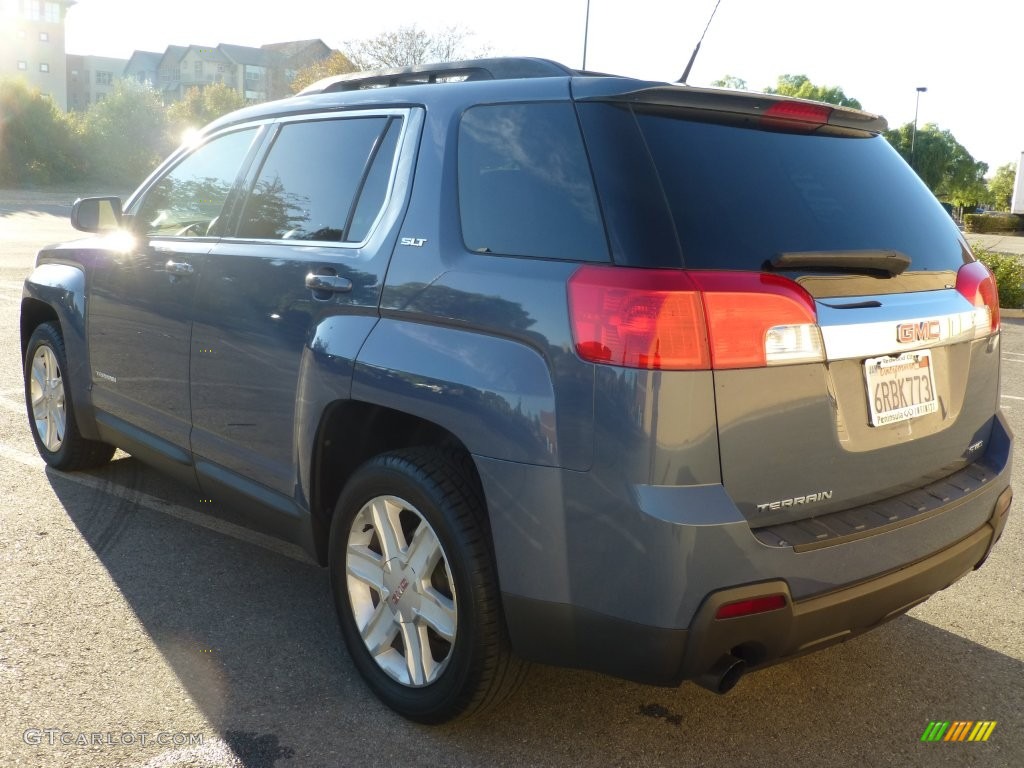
(913, 136)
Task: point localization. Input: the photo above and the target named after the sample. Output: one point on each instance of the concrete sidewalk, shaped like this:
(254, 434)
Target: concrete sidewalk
(1002, 243)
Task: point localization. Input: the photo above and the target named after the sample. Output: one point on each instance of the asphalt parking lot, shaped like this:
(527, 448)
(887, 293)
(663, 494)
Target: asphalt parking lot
(136, 622)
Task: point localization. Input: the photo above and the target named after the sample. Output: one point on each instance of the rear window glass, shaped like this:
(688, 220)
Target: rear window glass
(525, 187)
(740, 196)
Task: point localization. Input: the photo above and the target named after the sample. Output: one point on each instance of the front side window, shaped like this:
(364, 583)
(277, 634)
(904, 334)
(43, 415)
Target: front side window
(525, 187)
(309, 186)
(189, 199)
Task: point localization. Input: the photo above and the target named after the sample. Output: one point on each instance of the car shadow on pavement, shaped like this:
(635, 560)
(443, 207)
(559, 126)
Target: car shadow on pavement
(252, 637)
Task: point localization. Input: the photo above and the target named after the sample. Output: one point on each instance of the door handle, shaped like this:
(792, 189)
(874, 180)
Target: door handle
(178, 268)
(328, 283)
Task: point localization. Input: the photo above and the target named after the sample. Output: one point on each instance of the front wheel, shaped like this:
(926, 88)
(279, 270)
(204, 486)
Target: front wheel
(415, 588)
(50, 412)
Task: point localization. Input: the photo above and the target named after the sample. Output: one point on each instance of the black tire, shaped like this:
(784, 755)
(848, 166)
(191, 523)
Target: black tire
(474, 670)
(61, 446)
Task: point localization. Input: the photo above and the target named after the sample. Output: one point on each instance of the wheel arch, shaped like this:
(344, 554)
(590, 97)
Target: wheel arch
(56, 293)
(350, 433)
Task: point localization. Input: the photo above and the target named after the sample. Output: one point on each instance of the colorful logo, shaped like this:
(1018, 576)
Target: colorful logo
(958, 730)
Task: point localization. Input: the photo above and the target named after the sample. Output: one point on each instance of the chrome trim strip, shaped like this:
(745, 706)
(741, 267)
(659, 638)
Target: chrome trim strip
(863, 332)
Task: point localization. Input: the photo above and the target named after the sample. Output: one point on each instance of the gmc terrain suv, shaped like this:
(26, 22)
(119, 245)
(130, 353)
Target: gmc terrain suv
(666, 382)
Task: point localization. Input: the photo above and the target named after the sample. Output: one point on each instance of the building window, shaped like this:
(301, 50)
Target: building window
(51, 12)
(22, 65)
(44, 67)
(199, 70)
(104, 78)
(252, 74)
(44, 37)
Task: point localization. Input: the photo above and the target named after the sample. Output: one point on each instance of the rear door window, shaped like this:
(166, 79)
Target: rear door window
(525, 187)
(309, 186)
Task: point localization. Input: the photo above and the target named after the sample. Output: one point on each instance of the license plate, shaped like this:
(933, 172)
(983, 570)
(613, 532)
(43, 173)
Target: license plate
(900, 388)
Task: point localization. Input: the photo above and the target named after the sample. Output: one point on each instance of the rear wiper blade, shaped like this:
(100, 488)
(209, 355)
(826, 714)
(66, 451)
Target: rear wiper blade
(891, 263)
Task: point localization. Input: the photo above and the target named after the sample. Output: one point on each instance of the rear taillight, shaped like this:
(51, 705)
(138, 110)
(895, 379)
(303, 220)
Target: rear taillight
(756, 319)
(978, 286)
(676, 320)
(638, 318)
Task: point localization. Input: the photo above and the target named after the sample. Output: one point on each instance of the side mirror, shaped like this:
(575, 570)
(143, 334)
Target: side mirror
(96, 214)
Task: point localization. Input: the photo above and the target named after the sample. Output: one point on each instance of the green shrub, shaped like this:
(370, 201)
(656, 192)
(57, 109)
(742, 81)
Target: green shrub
(37, 142)
(1009, 272)
(1001, 222)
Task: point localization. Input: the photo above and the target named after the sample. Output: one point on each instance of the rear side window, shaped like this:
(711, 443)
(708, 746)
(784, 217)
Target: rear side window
(525, 187)
(740, 196)
(310, 183)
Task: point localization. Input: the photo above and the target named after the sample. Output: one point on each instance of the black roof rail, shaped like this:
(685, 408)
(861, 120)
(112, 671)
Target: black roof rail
(472, 69)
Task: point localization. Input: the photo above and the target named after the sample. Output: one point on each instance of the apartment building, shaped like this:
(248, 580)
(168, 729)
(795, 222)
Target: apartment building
(32, 45)
(91, 78)
(258, 74)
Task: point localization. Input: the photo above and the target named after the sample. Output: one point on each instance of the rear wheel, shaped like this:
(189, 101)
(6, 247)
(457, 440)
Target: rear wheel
(415, 589)
(50, 411)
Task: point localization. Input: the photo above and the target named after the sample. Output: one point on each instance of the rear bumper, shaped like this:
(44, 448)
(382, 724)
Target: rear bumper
(567, 635)
(627, 580)
(807, 625)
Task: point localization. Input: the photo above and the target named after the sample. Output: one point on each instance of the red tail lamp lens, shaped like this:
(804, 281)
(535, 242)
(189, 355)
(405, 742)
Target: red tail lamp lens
(668, 319)
(750, 607)
(978, 286)
(638, 318)
(742, 307)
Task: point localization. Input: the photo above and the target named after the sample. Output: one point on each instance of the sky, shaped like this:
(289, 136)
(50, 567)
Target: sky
(970, 56)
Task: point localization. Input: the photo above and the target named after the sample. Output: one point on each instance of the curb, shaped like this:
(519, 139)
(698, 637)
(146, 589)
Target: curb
(1016, 314)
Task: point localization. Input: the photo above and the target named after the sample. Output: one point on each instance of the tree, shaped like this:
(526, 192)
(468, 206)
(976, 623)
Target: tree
(942, 162)
(125, 134)
(201, 106)
(335, 64)
(800, 87)
(37, 142)
(729, 81)
(1000, 186)
(408, 46)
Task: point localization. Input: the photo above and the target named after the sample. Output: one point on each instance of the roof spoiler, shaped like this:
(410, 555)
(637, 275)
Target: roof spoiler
(766, 108)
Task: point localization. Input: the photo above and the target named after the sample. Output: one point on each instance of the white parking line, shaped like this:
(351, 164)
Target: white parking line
(1011, 397)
